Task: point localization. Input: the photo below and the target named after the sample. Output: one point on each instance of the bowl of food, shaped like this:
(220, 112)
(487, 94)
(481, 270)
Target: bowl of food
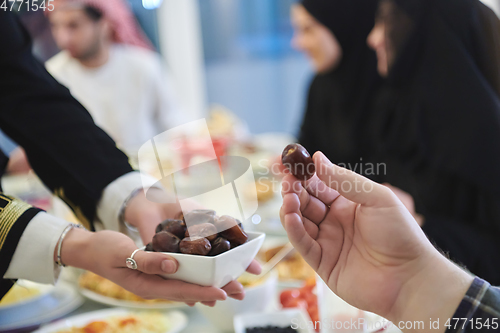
(289, 321)
(260, 295)
(210, 250)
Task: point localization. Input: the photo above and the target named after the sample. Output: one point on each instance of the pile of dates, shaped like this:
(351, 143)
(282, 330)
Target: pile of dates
(207, 234)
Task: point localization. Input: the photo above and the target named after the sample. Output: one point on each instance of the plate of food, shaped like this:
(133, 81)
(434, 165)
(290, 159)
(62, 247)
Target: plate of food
(293, 270)
(103, 291)
(119, 320)
(23, 292)
(29, 304)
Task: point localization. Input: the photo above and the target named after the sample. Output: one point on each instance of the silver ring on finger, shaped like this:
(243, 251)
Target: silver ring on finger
(130, 262)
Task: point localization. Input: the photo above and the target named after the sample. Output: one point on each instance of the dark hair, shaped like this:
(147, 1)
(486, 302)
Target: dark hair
(93, 13)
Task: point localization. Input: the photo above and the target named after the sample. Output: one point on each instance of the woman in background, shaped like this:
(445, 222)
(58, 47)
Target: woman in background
(437, 124)
(333, 35)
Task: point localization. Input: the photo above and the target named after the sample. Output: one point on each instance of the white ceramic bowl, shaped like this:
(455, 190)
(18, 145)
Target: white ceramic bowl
(219, 270)
(257, 299)
(296, 318)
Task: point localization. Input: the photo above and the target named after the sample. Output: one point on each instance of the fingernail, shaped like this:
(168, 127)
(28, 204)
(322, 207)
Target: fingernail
(222, 298)
(238, 296)
(168, 266)
(325, 160)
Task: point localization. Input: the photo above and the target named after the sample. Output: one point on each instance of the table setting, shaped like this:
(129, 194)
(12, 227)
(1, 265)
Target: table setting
(284, 298)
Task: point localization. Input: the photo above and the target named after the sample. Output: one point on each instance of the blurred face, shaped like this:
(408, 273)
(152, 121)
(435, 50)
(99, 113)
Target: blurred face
(377, 41)
(315, 40)
(77, 33)
(392, 28)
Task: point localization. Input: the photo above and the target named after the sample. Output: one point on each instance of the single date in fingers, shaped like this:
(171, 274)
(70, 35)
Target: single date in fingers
(298, 161)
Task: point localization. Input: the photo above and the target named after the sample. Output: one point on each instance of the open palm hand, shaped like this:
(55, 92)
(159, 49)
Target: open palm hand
(356, 234)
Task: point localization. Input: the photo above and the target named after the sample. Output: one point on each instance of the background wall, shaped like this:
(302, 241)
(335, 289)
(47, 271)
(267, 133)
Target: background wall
(250, 66)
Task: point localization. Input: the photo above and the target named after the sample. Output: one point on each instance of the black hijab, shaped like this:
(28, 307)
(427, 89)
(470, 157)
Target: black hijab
(438, 122)
(442, 105)
(338, 100)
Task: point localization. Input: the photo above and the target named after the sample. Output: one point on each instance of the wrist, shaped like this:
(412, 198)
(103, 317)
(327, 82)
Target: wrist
(75, 247)
(433, 294)
(132, 209)
(145, 213)
(126, 203)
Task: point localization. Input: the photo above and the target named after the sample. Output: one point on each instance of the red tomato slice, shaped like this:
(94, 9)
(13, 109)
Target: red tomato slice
(287, 295)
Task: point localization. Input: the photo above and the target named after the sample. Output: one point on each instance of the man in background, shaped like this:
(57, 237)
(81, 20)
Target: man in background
(109, 66)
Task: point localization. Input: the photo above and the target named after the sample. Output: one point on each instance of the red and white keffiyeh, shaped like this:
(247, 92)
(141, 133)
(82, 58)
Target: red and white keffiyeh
(126, 29)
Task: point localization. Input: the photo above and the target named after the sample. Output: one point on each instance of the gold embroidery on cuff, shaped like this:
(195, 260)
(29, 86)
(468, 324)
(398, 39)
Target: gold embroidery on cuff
(9, 214)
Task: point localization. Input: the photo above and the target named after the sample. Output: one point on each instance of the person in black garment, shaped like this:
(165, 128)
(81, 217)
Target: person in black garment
(333, 35)
(437, 121)
(81, 164)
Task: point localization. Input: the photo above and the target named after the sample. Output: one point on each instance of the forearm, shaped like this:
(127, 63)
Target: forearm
(431, 296)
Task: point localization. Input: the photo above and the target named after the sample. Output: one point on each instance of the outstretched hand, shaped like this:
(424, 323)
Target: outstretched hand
(361, 240)
(105, 252)
(145, 215)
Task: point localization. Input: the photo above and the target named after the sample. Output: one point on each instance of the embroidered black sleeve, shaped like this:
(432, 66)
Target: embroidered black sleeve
(9, 240)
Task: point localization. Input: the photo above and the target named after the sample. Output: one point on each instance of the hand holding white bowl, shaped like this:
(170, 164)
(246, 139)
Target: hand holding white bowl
(105, 253)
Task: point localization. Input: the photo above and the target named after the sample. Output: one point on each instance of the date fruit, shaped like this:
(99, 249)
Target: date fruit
(219, 245)
(229, 229)
(207, 230)
(165, 241)
(176, 227)
(240, 224)
(199, 216)
(149, 247)
(298, 161)
(193, 245)
(204, 211)
(179, 216)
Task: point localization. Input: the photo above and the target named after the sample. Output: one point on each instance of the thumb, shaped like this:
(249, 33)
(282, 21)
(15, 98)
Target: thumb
(155, 263)
(351, 185)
